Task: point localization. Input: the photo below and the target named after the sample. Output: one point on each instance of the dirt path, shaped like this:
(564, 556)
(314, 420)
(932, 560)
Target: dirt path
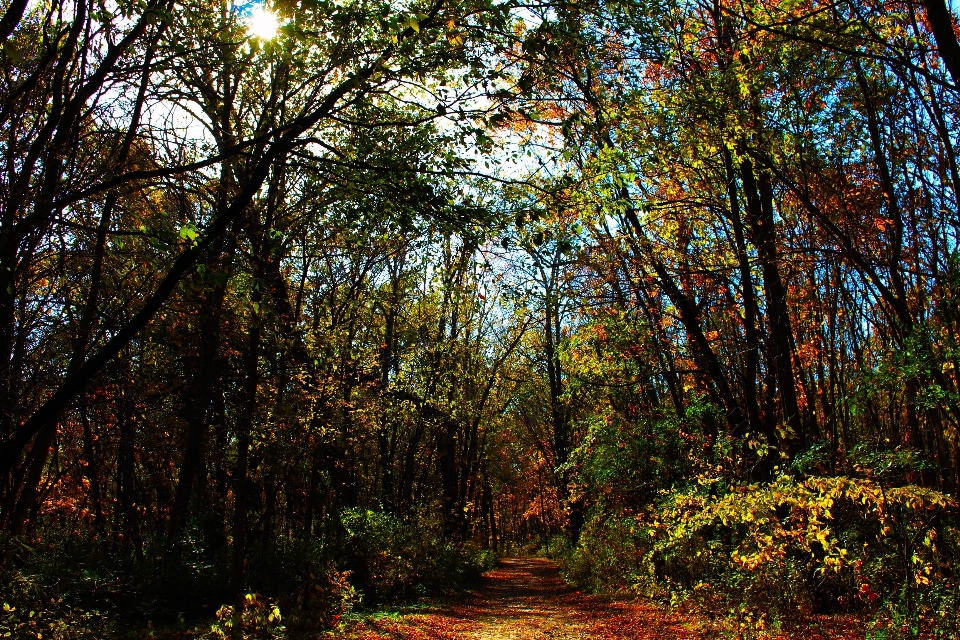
(526, 599)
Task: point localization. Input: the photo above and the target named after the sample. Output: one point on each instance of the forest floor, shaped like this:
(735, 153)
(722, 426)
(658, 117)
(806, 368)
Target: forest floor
(526, 599)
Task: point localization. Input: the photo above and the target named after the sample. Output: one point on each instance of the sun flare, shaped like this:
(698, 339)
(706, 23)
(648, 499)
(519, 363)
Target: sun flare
(263, 23)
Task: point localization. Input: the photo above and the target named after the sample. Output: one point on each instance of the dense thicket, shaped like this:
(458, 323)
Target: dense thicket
(673, 286)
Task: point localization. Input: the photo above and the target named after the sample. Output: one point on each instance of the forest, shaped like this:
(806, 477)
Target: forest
(314, 307)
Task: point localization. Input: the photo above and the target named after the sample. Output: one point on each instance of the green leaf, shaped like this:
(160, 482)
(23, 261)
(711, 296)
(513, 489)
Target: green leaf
(190, 233)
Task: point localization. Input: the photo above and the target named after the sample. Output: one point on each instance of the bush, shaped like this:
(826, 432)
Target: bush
(259, 619)
(609, 557)
(30, 610)
(321, 603)
(393, 559)
(773, 552)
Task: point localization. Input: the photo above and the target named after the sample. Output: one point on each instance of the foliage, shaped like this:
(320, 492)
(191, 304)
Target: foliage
(259, 619)
(391, 559)
(32, 610)
(607, 558)
(771, 553)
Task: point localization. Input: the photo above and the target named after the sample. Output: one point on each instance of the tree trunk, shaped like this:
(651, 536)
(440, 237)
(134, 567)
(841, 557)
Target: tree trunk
(244, 428)
(760, 217)
(205, 375)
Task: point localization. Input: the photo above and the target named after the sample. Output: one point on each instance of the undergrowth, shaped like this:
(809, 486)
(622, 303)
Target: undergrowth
(767, 555)
(88, 590)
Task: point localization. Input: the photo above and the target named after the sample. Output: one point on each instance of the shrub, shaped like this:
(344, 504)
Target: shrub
(321, 602)
(822, 543)
(29, 610)
(260, 620)
(772, 552)
(393, 559)
(609, 557)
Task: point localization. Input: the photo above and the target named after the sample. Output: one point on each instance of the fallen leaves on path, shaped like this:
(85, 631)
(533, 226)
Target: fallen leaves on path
(526, 599)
